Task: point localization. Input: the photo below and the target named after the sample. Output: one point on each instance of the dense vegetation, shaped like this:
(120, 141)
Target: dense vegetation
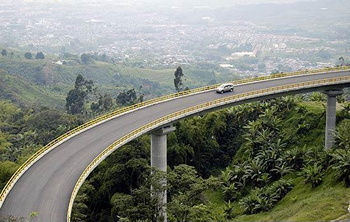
(243, 163)
(25, 130)
(224, 165)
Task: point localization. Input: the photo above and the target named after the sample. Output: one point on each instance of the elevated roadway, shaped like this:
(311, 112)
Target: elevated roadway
(50, 181)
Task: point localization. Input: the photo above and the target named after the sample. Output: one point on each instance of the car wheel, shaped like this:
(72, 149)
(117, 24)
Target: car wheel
(231, 89)
(222, 91)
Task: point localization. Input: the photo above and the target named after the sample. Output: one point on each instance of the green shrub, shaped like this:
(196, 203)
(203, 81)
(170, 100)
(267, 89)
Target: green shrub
(231, 192)
(313, 174)
(264, 199)
(341, 165)
(342, 135)
(296, 157)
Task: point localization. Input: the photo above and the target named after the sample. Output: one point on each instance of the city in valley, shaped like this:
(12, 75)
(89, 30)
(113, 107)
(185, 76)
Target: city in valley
(174, 110)
(228, 37)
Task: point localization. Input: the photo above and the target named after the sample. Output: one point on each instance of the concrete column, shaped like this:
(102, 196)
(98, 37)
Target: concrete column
(331, 116)
(159, 160)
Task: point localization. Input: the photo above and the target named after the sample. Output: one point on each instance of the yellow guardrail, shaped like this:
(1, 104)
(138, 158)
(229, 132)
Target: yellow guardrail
(195, 109)
(48, 147)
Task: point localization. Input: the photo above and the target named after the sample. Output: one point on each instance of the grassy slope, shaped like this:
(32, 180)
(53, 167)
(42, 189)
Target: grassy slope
(22, 92)
(326, 202)
(164, 77)
(53, 81)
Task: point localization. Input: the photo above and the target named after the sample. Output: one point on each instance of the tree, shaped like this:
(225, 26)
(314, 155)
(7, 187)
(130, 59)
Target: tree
(104, 58)
(185, 193)
(105, 102)
(40, 55)
(341, 165)
(318, 97)
(342, 135)
(4, 52)
(143, 204)
(341, 61)
(178, 79)
(313, 174)
(86, 58)
(75, 100)
(28, 55)
(129, 97)
(178, 153)
(282, 170)
(80, 207)
(3, 142)
(7, 169)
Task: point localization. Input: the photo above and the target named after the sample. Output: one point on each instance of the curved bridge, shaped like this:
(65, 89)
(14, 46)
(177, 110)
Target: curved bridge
(49, 181)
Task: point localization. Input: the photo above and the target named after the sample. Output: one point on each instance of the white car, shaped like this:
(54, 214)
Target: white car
(226, 87)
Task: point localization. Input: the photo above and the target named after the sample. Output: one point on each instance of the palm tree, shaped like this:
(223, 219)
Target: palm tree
(255, 169)
(318, 97)
(315, 155)
(229, 210)
(280, 188)
(179, 154)
(241, 173)
(264, 179)
(342, 135)
(251, 136)
(226, 176)
(289, 102)
(313, 174)
(214, 122)
(231, 192)
(341, 164)
(346, 107)
(12, 154)
(346, 110)
(249, 202)
(279, 145)
(270, 158)
(265, 137)
(283, 169)
(295, 157)
(268, 113)
(3, 142)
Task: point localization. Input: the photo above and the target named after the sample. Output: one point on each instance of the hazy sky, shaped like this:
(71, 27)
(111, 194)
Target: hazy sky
(176, 2)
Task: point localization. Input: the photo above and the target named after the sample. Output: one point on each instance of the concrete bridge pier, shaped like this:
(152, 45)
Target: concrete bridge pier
(159, 160)
(331, 116)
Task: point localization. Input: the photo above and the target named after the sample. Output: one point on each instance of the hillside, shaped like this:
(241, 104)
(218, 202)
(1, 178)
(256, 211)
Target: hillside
(59, 79)
(24, 93)
(49, 82)
(304, 202)
(256, 162)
